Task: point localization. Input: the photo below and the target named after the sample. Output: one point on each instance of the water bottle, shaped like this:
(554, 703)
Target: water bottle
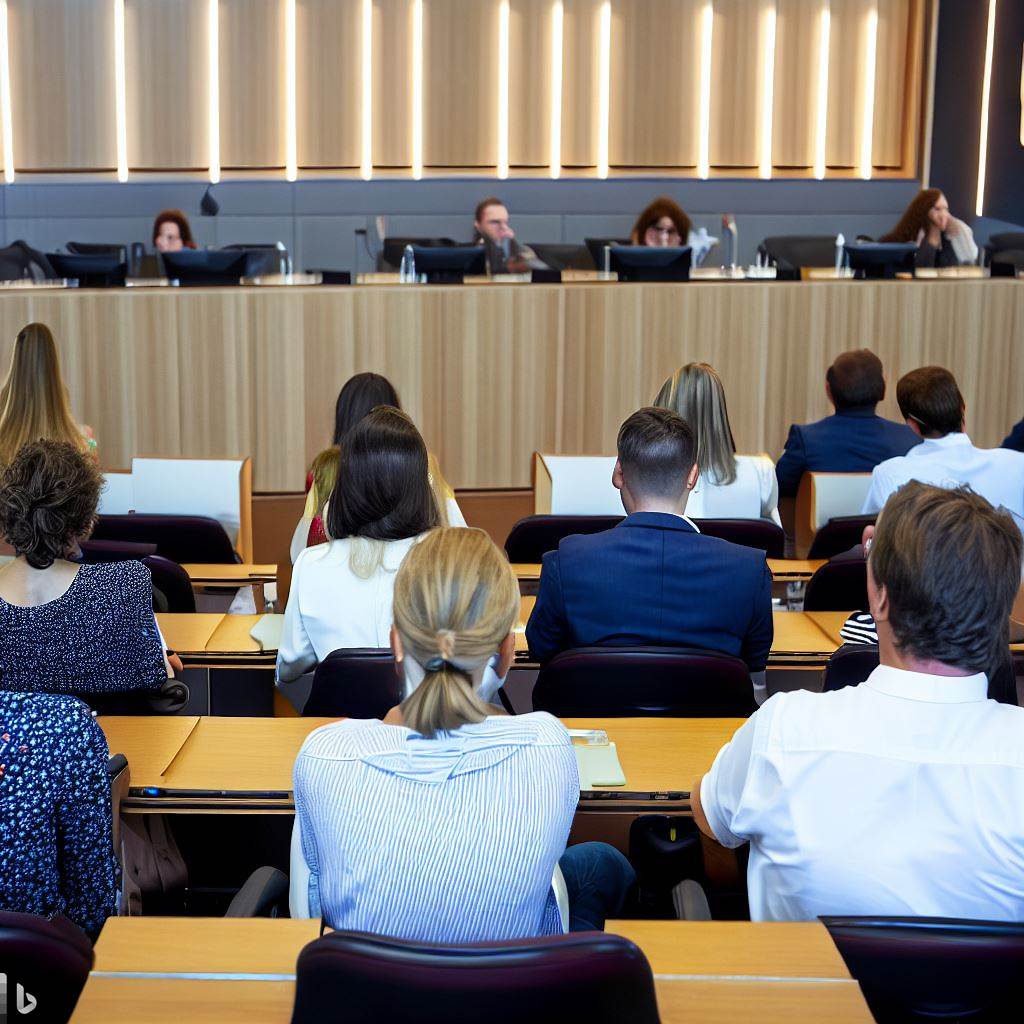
(407, 269)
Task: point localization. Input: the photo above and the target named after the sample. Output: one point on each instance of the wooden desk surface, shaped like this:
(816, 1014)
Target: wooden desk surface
(188, 633)
(830, 623)
(220, 637)
(233, 636)
(150, 743)
(215, 575)
(723, 1001)
(784, 570)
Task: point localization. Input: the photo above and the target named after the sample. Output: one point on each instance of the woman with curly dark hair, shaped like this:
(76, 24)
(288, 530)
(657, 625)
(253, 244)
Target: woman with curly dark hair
(941, 239)
(65, 627)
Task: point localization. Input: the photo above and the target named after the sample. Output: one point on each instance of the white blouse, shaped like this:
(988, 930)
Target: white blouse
(329, 606)
(754, 494)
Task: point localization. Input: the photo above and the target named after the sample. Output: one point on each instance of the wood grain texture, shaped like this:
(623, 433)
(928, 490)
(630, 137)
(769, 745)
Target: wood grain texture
(392, 83)
(846, 77)
(530, 40)
(736, 75)
(579, 82)
(795, 108)
(492, 374)
(62, 84)
(894, 24)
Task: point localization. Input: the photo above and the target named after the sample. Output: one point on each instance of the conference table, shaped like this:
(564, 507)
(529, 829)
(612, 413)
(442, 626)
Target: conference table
(153, 970)
(493, 373)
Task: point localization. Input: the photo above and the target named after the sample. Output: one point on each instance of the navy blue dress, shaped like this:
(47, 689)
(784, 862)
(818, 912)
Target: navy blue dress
(56, 853)
(98, 636)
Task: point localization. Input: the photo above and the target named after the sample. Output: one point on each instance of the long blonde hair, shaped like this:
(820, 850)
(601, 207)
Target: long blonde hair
(34, 402)
(695, 391)
(455, 601)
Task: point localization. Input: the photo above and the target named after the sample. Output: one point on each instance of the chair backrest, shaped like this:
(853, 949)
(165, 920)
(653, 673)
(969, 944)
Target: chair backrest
(934, 968)
(838, 586)
(20, 261)
(1003, 240)
(762, 534)
(358, 682)
(172, 588)
(96, 551)
(824, 496)
(1007, 262)
(560, 256)
(596, 247)
(850, 666)
(838, 535)
(115, 249)
(792, 252)
(629, 682)
(532, 536)
(179, 538)
(584, 976)
(49, 958)
(393, 247)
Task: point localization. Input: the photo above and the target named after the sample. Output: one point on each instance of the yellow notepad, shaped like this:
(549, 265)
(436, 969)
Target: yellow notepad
(598, 765)
(267, 632)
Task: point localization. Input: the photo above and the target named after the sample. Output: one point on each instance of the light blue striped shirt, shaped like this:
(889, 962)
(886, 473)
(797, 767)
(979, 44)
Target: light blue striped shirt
(451, 839)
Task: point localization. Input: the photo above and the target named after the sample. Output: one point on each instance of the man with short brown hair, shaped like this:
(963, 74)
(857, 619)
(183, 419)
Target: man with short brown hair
(903, 795)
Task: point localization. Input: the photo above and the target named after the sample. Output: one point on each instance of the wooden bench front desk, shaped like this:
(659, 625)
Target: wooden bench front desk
(165, 970)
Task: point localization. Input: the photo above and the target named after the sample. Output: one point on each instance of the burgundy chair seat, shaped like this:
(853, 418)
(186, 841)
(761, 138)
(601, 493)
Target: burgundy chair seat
(838, 586)
(180, 538)
(623, 682)
(356, 682)
(839, 535)
(583, 976)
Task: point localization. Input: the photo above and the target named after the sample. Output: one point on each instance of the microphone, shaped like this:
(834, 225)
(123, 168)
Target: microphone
(729, 227)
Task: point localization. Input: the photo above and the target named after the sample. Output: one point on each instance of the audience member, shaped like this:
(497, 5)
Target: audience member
(34, 401)
(1015, 439)
(730, 486)
(904, 795)
(852, 440)
(941, 239)
(358, 396)
(65, 627)
(654, 579)
(933, 407)
(171, 232)
(663, 224)
(504, 252)
(340, 593)
(56, 850)
(448, 824)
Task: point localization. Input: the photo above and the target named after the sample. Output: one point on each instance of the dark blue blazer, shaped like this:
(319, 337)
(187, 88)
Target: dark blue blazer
(851, 441)
(1015, 439)
(653, 579)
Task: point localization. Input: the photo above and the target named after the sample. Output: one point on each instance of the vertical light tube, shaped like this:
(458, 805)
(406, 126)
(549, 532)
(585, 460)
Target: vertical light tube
(707, 29)
(503, 86)
(867, 127)
(417, 89)
(6, 120)
(120, 92)
(986, 94)
(768, 89)
(604, 85)
(366, 147)
(213, 45)
(821, 119)
(291, 137)
(557, 29)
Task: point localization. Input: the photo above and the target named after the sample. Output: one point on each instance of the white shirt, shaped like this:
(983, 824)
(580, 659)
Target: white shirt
(329, 606)
(901, 796)
(997, 474)
(754, 494)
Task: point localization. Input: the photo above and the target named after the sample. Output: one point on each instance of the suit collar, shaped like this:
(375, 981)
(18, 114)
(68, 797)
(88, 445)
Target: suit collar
(661, 521)
(864, 412)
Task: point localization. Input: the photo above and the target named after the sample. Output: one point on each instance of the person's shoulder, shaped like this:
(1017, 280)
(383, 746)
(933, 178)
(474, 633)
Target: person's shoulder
(1008, 457)
(115, 578)
(349, 739)
(740, 555)
(60, 718)
(545, 728)
(584, 544)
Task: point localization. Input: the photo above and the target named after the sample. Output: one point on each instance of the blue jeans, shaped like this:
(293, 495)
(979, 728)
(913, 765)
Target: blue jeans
(597, 878)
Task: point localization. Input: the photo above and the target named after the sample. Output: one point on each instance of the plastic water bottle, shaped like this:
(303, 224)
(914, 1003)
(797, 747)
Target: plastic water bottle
(407, 269)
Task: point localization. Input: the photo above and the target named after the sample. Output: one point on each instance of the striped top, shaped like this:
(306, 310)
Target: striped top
(450, 839)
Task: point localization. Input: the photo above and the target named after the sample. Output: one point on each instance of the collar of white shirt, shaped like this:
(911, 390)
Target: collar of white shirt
(929, 444)
(897, 682)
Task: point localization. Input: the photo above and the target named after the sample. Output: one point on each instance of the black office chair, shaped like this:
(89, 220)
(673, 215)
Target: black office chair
(840, 585)
(791, 253)
(532, 536)
(762, 534)
(850, 666)
(49, 958)
(839, 535)
(359, 682)
(172, 588)
(261, 258)
(19, 261)
(182, 539)
(934, 968)
(264, 894)
(114, 249)
(393, 248)
(560, 256)
(631, 682)
(1004, 240)
(1007, 263)
(596, 247)
(580, 976)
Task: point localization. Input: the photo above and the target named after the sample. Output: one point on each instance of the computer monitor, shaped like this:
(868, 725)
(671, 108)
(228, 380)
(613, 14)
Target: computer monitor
(449, 264)
(89, 271)
(193, 267)
(98, 249)
(651, 263)
(880, 260)
(597, 246)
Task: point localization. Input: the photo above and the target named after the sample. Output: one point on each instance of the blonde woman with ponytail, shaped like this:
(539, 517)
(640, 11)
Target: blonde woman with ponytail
(446, 822)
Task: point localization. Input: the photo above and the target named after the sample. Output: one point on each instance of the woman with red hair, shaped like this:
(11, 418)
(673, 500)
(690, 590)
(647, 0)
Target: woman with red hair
(941, 239)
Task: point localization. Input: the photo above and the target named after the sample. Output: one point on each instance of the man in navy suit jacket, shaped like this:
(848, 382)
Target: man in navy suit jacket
(854, 440)
(654, 578)
(1015, 439)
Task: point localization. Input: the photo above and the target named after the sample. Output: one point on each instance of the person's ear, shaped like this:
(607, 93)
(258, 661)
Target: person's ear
(878, 599)
(691, 477)
(617, 476)
(963, 418)
(914, 426)
(828, 393)
(506, 655)
(867, 536)
(396, 646)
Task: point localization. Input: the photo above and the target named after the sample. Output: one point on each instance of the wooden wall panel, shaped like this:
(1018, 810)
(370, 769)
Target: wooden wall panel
(655, 83)
(62, 84)
(530, 82)
(460, 73)
(846, 82)
(890, 82)
(392, 83)
(252, 84)
(735, 83)
(579, 83)
(329, 92)
(167, 71)
(797, 40)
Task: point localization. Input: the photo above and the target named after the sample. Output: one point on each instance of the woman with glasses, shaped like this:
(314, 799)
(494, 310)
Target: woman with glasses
(663, 224)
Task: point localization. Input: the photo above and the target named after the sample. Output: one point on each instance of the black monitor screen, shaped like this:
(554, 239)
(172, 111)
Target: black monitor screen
(205, 266)
(651, 263)
(89, 271)
(449, 264)
(881, 259)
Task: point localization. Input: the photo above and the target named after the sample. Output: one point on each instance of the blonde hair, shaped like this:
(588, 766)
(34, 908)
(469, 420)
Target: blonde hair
(455, 601)
(34, 402)
(696, 393)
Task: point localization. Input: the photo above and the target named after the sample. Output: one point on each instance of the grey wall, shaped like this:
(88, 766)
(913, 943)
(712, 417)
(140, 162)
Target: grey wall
(317, 219)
